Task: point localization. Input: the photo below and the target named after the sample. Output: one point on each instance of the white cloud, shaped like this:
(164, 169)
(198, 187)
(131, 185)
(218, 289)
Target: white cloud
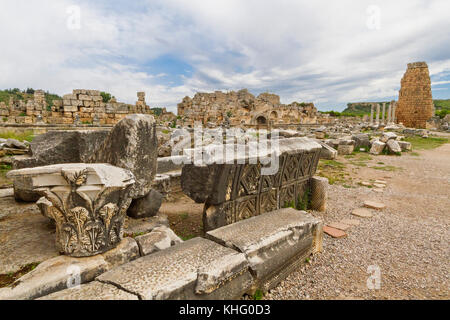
(302, 50)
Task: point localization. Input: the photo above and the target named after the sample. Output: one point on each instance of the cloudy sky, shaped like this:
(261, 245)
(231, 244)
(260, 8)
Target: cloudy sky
(327, 52)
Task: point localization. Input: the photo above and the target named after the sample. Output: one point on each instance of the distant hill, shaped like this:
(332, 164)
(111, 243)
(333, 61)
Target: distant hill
(25, 95)
(361, 108)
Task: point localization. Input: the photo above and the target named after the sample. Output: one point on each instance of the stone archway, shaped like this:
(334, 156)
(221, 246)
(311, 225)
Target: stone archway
(261, 120)
(273, 115)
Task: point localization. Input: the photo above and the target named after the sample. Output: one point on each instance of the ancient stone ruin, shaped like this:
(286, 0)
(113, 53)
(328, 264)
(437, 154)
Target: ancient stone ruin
(236, 108)
(236, 191)
(79, 107)
(415, 103)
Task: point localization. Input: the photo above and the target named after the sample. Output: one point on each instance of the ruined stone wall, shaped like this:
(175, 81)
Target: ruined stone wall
(236, 108)
(79, 107)
(415, 103)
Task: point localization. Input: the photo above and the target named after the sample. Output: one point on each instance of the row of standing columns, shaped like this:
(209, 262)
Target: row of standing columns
(390, 113)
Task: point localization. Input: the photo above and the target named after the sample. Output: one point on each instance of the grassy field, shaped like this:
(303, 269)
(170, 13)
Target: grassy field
(419, 143)
(21, 136)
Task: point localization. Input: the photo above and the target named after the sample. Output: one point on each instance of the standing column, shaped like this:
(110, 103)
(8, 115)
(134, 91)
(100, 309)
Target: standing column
(383, 117)
(378, 113)
(371, 113)
(389, 120)
(394, 116)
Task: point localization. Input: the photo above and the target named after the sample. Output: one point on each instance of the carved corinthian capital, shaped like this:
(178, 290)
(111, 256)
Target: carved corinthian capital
(88, 203)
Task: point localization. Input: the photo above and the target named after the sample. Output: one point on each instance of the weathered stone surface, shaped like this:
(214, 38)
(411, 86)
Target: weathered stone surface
(145, 225)
(56, 147)
(361, 140)
(334, 233)
(388, 136)
(339, 225)
(159, 239)
(374, 205)
(327, 152)
(319, 193)
(405, 146)
(351, 222)
(91, 291)
(132, 145)
(167, 164)
(61, 272)
(195, 269)
(377, 147)
(240, 189)
(89, 203)
(13, 143)
(274, 242)
(147, 206)
(345, 149)
(362, 212)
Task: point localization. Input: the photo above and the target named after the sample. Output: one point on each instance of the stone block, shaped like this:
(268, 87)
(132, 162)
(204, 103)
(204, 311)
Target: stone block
(173, 163)
(195, 269)
(405, 146)
(60, 272)
(132, 145)
(393, 146)
(91, 291)
(147, 206)
(275, 243)
(327, 152)
(160, 238)
(361, 140)
(388, 136)
(345, 149)
(70, 109)
(377, 147)
(84, 97)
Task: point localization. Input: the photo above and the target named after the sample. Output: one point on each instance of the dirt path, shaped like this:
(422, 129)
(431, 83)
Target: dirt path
(408, 241)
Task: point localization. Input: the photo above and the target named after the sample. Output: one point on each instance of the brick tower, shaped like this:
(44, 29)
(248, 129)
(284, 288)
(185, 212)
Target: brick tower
(415, 102)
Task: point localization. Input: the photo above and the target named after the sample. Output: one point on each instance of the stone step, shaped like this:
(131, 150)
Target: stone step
(362, 212)
(351, 222)
(92, 291)
(374, 205)
(274, 243)
(339, 225)
(334, 233)
(196, 269)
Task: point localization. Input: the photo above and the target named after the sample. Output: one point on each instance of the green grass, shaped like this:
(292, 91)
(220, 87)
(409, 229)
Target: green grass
(187, 237)
(259, 295)
(332, 164)
(386, 168)
(415, 154)
(21, 136)
(420, 143)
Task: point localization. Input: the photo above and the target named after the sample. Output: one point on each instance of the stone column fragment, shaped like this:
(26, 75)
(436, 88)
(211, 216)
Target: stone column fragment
(88, 203)
(319, 193)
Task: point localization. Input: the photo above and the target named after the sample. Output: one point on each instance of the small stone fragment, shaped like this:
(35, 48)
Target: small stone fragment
(374, 205)
(334, 233)
(362, 212)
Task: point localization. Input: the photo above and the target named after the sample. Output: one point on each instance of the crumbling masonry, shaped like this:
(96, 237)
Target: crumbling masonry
(415, 103)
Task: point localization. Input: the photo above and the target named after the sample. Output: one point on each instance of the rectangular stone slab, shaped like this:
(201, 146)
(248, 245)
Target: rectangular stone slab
(92, 291)
(274, 243)
(196, 269)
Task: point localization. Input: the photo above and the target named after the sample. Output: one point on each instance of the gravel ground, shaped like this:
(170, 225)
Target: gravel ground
(408, 241)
